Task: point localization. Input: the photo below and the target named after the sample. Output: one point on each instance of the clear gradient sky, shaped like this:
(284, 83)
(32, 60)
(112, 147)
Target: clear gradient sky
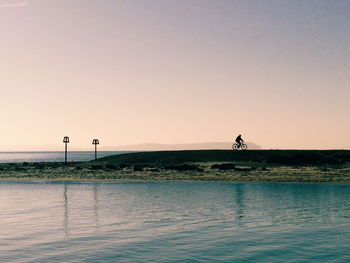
(184, 71)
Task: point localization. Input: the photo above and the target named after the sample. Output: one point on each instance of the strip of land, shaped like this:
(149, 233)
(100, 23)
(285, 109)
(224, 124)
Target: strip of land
(202, 165)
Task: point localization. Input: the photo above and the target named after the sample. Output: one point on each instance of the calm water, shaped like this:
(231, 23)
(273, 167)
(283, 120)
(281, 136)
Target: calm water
(19, 157)
(174, 222)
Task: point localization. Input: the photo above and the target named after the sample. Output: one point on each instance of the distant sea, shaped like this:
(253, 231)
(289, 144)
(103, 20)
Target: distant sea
(19, 157)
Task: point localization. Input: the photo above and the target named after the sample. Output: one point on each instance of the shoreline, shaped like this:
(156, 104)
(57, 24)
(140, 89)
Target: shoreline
(75, 172)
(112, 181)
(207, 165)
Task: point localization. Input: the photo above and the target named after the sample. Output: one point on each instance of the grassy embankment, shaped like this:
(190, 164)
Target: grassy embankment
(209, 165)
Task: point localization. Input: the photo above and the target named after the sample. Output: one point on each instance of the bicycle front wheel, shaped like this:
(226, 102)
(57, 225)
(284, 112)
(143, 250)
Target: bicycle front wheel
(235, 146)
(244, 146)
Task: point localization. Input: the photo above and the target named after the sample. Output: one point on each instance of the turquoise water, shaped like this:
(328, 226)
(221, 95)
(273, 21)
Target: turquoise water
(174, 222)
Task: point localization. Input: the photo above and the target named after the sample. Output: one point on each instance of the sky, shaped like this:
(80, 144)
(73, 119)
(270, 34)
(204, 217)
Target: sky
(185, 71)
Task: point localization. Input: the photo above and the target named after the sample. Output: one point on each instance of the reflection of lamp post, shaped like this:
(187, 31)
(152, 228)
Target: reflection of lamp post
(95, 142)
(66, 141)
(65, 220)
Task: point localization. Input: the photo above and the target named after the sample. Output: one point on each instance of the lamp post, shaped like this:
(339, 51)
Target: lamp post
(95, 142)
(66, 141)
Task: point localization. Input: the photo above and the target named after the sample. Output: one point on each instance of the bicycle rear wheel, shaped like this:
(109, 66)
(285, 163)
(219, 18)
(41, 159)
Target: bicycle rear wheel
(244, 146)
(235, 146)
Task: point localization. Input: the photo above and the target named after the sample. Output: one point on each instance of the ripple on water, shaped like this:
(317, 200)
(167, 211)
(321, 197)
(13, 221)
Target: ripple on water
(174, 221)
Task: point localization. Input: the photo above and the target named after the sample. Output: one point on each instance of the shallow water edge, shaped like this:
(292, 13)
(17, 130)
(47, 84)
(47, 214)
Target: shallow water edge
(173, 222)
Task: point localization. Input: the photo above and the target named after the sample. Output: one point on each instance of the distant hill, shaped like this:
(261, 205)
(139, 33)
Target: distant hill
(132, 147)
(169, 147)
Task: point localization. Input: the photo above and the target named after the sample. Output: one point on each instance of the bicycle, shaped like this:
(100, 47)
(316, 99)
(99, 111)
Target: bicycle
(236, 147)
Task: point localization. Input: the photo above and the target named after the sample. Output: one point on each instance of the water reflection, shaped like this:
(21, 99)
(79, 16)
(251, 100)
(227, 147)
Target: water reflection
(79, 217)
(239, 199)
(290, 203)
(65, 218)
(240, 205)
(96, 206)
(180, 220)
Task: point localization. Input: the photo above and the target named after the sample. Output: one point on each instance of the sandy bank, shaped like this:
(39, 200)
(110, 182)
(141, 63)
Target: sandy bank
(205, 172)
(201, 165)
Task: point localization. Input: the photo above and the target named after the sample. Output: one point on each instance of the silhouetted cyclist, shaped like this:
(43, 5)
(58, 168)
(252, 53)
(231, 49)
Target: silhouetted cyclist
(239, 141)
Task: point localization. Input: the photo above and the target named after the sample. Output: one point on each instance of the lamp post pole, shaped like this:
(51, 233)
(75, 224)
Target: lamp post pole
(95, 142)
(65, 141)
